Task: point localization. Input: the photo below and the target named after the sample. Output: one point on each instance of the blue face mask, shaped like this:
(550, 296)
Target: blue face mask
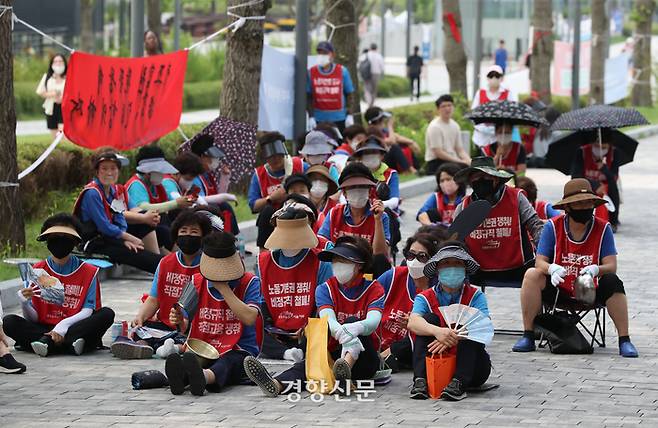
(452, 277)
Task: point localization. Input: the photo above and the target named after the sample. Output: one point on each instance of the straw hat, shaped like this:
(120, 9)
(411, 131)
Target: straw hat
(577, 190)
(292, 232)
(220, 261)
(324, 172)
(61, 231)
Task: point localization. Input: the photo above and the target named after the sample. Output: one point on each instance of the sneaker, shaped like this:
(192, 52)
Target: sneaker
(524, 344)
(40, 347)
(454, 391)
(627, 350)
(392, 363)
(9, 365)
(167, 348)
(342, 370)
(293, 354)
(175, 374)
(129, 350)
(194, 373)
(419, 389)
(259, 375)
(78, 346)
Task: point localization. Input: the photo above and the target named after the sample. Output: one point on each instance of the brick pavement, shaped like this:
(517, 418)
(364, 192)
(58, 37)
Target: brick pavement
(539, 388)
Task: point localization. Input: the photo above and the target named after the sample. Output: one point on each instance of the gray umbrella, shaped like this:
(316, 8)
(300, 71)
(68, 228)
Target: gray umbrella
(599, 116)
(506, 112)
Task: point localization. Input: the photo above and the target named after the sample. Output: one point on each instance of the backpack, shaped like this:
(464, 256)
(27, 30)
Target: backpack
(364, 69)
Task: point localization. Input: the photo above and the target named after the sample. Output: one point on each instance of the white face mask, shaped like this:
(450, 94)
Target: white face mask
(371, 161)
(358, 198)
(319, 188)
(156, 178)
(504, 139)
(58, 69)
(290, 253)
(324, 60)
(343, 272)
(354, 144)
(598, 152)
(214, 164)
(183, 183)
(316, 159)
(416, 268)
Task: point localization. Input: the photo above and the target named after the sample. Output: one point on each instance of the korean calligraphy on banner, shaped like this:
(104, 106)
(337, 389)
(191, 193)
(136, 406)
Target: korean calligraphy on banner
(122, 102)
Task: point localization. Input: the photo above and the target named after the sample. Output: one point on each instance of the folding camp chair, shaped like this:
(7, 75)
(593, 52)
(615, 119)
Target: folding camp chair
(580, 311)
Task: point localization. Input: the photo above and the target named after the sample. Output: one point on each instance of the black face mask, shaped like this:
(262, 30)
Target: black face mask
(483, 188)
(189, 244)
(581, 216)
(60, 246)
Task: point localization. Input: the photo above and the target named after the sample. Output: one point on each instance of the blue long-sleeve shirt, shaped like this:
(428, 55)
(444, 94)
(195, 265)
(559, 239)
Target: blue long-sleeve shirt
(254, 186)
(93, 209)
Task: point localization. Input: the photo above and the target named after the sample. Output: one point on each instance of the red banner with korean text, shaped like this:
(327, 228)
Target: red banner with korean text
(122, 102)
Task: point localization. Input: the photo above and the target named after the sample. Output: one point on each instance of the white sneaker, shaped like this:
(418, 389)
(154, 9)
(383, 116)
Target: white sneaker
(78, 346)
(293, 354)
(167, 348)
(40, 348)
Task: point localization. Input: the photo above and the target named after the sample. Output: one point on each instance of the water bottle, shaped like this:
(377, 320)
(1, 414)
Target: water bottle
(241, 248)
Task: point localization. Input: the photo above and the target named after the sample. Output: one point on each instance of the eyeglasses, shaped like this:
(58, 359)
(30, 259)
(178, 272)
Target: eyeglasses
(422, 257)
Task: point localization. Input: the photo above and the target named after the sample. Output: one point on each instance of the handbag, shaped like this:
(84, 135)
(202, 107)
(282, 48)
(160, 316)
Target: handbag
(319, 373)
(561, 331)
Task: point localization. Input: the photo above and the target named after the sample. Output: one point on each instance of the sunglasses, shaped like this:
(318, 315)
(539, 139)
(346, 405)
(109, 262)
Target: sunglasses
(422, 257)
(494, 75)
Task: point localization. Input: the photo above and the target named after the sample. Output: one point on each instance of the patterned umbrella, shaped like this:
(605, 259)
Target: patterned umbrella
(506, 112)
(599, 116)
(238, 142)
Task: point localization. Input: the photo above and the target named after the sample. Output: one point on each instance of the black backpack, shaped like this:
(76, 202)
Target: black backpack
(364, 69)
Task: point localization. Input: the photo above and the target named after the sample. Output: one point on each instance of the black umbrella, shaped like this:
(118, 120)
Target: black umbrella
(562, 151)
(599, 116)
(506, 112)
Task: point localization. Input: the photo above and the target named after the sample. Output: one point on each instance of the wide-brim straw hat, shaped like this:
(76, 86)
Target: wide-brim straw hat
(220, 261)
(577, 190)
(59, 231)
(484, 164)
(324, 172)
(292, 234)
(357, 181)
(451, 252)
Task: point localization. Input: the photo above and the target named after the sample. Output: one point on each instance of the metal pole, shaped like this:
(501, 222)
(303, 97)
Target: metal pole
(301, 53)
(137, 28)
(410, 17)
(438, 31)
(383, 35)
(477, 56)
(178, 16)
(575, 70)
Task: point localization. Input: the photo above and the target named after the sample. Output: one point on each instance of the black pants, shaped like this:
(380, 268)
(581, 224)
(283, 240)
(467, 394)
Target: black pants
(118, 253)
(434, 216)
(364, 368)
(275, 347)
(414, 83)
(228, 370)
(265, 229)
(609, 284)
(473, 362)
(432, 166)
(403, 352)
(396, 159)
(91, 329)
(154, 343)
(162, 232)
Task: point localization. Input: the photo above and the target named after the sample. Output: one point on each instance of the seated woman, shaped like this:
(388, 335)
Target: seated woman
(507, 154)
(101, 207)
(226, 315)
(433, 335)
(78, 323)
(402, 152)
(300, 202)
(353, 306)
(289, 274)
(8, 363)
(323, 187)
(371, 153)
(440, 206)
(401, 284)
(172, 275)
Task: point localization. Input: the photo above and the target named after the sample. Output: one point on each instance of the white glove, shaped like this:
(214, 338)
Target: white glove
(557, 274)
(592, 270)
(354, 347)
(356, 329)
(344, 335)
(349, 120)
(311, 123)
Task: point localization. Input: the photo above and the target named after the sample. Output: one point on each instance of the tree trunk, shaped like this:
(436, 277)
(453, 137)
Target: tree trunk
(542, 50)
(345, 41)
(86, 31)
(453, 50)
(641, 93)
(153, 16)
(12, 228)
(599, 48)
(244, 51)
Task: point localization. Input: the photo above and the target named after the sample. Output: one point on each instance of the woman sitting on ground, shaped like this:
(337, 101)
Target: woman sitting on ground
(440, 206)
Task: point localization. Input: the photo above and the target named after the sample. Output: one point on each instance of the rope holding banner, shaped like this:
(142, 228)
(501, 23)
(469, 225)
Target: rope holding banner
(44, 155)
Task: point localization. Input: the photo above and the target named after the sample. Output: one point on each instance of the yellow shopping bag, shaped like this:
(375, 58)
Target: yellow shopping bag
(319, 373)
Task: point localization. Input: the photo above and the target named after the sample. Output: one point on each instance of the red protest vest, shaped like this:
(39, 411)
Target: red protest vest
(209, 186)
(268, 183)
(496, 244)
(590, 169)
(446, 209)
(541, 209)
(159, 197)
(76, 286)
(289, 293)
(215, 322)
(344, 307)
(397, 302)
(484, 98)
(576, 255)
(323, 214)
(429, 295)
(510, 160)
(173, 276)
(119, 193)
(339, 227)
(345, 149)
(327, 89)
(323, 243)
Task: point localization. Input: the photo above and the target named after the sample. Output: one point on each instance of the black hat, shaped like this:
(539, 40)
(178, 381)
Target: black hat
(485, 164)
(345, 250)
(205, 146)
(374, 114)
(357, 170)
(270, 149)
(325, 46)
(371, 144)
(296, 178)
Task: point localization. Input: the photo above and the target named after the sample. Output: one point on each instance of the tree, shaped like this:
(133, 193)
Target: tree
(542, 50)
(244, 51)
(342, 14)
(12, 228)
(641, 92)
(153, 16)
(453, 49)
(87, 39)
(599, 52)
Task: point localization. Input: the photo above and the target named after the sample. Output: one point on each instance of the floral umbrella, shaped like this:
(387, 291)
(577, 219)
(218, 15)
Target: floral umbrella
(506, 112)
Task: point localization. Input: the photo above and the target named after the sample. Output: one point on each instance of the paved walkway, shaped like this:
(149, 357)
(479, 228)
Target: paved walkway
(596, 390)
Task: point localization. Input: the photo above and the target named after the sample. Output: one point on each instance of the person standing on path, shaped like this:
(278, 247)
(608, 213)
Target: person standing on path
(484, 133)
(51, 89)
(414, 69)
(443, 138)
(500, 56)
(376, 61)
